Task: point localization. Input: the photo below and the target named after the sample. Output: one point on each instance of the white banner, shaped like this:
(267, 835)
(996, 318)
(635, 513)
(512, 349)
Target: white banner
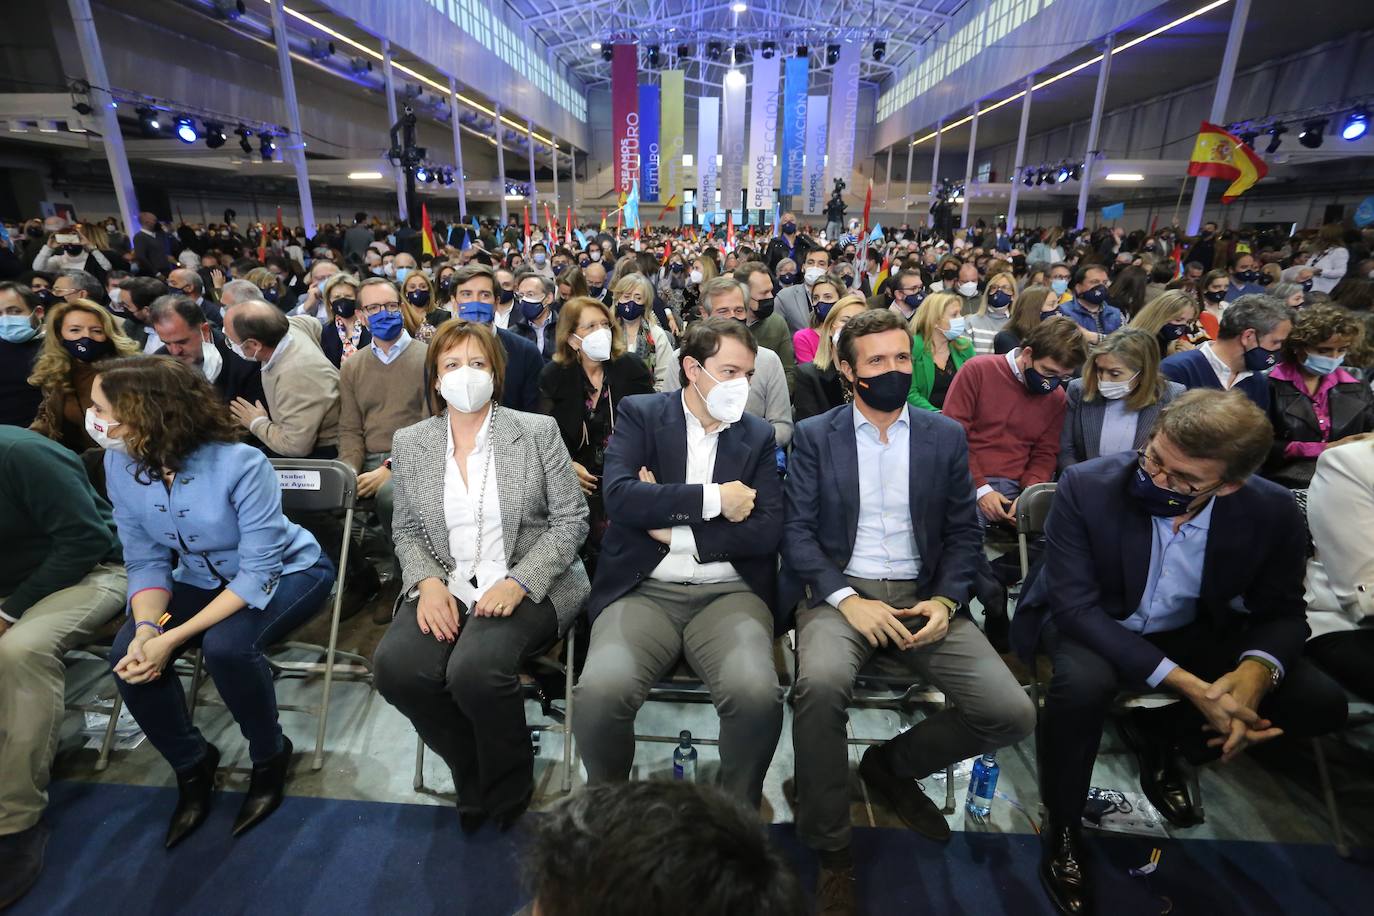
(813, 174)
(844, 115)
(732, 140)
(708, 127)
(763, 130)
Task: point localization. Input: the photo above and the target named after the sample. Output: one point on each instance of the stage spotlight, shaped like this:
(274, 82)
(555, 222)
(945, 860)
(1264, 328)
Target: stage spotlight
(607, 52)
(1076, 171)
(769, 48)
(243, 134)
(741, 53)
(321, 49)
(1312, 133)
(422, 175)
(1028, 178)
(1275, 138)
(802, 52)
(1248, 137)
(186, 130)
(232, 10)
(215, 136)
(148, 121)
(713, 50)
(1356, 125)
(1061, 174)
(359, 65)
(832, 55)
(879, 49)
(684, 52)
(82, 108)
(651, 56)
(1041, 174)
(267, 145)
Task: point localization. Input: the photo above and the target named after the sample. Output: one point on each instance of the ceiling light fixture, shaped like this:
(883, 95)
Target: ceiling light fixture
(1312, 133)
(364, 176)
(1124, 176)
(1356, 125)
(1275, 138)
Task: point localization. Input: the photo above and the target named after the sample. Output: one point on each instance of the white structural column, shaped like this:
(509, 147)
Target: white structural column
(458, 150)
(391, 119)
(534, 187)
(1239, 14)
(572, 182)
(935, 170)
(906, 198)
(968, 168)
(1020, 159)
(1094, 127)
(553, 155)
(104, 105)
(501, 167)
(887, 183)
(295, 147)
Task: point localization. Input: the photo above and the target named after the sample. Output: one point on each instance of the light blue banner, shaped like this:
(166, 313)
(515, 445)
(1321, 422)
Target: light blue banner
(648, 143)
(1114, 211)
(793, 124)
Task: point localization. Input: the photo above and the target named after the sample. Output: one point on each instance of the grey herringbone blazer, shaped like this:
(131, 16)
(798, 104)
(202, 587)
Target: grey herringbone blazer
(543, 511)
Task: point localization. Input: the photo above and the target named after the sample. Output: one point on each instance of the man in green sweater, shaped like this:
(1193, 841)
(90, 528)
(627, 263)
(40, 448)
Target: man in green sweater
(62, 579)
(768, 326)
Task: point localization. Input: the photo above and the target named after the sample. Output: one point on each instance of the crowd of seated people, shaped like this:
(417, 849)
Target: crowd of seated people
(690, 448)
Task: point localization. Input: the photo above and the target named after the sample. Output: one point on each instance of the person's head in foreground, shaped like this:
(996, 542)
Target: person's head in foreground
(661, 848)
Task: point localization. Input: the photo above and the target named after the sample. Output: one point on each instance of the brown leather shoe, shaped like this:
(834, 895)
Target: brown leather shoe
(835, 891)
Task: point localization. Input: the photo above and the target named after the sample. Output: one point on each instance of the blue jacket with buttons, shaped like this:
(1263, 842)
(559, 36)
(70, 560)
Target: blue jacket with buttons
(221, 522)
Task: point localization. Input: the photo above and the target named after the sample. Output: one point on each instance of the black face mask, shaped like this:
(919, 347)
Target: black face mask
(1040, 384)
(596, 291)
(789, 228)
(418, 298)
(344, 308)
(1172, 332)
(787, 279)
(73, 250)
(885, 392)
(1247, 276)
(949, 276)
(507, 296)
(1095, 296)
(1215, 296)
(763, 308)
(87, 349)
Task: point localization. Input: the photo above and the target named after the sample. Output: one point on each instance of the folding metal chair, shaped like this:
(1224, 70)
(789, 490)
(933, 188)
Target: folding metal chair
(1333, 811)
(311, 485)
(1032, 509)
(561, 720)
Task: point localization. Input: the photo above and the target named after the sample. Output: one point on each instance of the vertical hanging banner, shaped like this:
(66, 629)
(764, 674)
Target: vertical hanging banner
(844, 115)
(763, 131)
(732, 141)
(708, 128)
(670, 138)
(625, 115)
(813, 171)
(794, 107)
(649, 159)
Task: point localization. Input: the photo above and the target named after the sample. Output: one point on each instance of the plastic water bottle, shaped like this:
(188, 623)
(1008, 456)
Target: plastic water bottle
(685, 759)
(982, 786)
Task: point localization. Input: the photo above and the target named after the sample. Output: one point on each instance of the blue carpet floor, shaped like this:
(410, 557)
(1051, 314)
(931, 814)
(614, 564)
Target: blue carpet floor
(321, 856)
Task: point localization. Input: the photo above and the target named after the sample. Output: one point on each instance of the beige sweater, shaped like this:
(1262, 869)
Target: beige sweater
(302, 388)
(377, 398)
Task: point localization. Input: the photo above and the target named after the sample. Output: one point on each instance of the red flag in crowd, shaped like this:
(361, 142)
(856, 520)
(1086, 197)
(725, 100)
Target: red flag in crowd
(427, 245)
(527, 228)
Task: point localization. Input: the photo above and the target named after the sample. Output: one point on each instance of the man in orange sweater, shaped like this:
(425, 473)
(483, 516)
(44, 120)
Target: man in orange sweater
(1012, 408)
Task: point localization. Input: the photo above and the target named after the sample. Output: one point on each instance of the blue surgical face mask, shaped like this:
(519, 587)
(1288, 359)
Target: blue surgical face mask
(957, 326)
(480, 312)
(1317, 365)
(401, 274)
(17, 329)
(385, 325)
(1059, 286)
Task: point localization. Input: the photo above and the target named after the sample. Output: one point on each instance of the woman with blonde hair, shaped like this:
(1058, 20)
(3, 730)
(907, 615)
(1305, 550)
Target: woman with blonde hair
(77, 334)
(825, 294)
(994, 311)
(704, 267)
(632, 297)
(817, 386)
(419, 307)
(1169, 317)
(1113, 406)
(939, 346)
(345, 333)
(267, 281)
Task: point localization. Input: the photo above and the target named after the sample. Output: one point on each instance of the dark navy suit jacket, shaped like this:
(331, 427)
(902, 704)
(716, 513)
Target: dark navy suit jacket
(520, 389)
(1097, 558)
(822, 507)
(651, 432)
(1191, 370)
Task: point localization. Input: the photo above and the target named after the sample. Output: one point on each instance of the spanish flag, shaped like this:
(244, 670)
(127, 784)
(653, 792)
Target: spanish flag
(1218, 154)
(427, 245)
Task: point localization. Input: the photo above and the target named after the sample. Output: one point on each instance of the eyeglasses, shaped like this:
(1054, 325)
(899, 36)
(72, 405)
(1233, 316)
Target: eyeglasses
(584, 329)
(1153, 468)
(379, 307)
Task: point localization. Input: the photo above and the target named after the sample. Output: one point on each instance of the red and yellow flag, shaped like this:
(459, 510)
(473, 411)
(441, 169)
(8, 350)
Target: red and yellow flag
(1219, 154)
(427, 245)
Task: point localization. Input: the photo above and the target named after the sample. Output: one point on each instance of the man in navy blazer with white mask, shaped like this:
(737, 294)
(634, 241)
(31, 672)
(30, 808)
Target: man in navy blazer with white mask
(880, 527)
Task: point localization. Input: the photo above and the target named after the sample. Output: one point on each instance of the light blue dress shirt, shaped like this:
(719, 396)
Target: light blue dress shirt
(1174, 582)
(884, 541)
(397, 348)
(1118, 429)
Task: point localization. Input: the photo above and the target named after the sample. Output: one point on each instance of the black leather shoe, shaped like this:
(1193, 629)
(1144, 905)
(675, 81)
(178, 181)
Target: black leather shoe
(194, 788)
(1162, 777)
(505, 820)
(471, 820)
(360, 589)
(835, 890)
(22, 854)
(903, 796)
(1062, 871)
(265, 789)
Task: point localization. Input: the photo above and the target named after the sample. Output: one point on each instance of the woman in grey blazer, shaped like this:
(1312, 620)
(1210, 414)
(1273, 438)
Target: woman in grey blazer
(489, 518)
(1114, 405)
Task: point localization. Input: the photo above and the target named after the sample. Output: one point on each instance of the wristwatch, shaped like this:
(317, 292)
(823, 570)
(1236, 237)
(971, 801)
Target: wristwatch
(949, 603)
(1274, 674)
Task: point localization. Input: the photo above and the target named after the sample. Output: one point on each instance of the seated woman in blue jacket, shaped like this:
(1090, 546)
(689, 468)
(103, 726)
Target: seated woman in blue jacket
(212, 563)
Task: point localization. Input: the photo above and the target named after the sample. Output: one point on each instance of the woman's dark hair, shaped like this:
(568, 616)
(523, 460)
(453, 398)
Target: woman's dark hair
(1319, 323)
(167, 410)
(1355, 293)
(1127, 291)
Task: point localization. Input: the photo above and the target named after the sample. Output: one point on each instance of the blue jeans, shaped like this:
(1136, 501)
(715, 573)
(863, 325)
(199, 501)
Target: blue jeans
(232, 651)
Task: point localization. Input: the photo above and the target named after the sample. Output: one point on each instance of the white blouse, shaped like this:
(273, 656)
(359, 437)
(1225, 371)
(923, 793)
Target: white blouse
(461, 509)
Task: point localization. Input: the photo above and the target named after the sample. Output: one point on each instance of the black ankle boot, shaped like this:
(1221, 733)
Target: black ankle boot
(194, 788)
(265, 789)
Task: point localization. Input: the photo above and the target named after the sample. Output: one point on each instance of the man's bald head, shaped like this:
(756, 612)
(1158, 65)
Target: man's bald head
(255, 320)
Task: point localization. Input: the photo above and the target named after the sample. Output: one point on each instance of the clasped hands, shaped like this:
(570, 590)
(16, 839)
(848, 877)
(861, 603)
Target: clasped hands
(881, 624)
(148, 654)
(1228, 706)
(736, 503)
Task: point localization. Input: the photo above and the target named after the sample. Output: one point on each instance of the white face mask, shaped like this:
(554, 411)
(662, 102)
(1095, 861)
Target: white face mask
(99, 430)
(467, 390)
(694, 276)
(211, 363)
(969, 288)
(835, 344)
(813, 274)
(1115, 391)
(237, 349)
(726, 401)
(597, 344)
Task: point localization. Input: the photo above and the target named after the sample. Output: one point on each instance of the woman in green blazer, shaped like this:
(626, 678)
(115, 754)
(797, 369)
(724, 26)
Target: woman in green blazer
(939, 346)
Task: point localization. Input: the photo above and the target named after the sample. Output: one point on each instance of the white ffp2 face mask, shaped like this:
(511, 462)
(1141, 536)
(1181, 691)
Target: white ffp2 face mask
(597, 345)
(99, 430)
(467, 390)
(1115, 391)
(726, 400)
